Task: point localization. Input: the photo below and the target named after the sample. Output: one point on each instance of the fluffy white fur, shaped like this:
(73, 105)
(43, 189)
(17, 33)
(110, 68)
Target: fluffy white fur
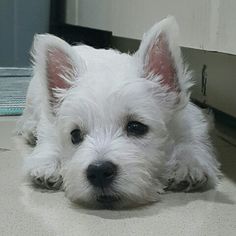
(97, 91)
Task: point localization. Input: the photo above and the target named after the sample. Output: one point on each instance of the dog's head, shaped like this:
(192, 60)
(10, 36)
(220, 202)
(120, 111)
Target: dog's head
(109, 114)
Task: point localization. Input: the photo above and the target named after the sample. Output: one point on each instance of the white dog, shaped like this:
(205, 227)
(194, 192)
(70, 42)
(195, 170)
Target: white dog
(112, 129)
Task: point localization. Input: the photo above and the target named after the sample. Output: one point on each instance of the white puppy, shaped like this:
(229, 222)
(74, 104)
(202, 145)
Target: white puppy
(112, 129)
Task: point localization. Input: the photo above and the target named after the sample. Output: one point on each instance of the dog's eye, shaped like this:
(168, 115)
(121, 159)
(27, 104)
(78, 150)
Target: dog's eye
(136, 128)
(76, 136)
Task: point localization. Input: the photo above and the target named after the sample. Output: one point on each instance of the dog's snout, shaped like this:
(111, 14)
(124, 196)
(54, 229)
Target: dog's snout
(101, 174)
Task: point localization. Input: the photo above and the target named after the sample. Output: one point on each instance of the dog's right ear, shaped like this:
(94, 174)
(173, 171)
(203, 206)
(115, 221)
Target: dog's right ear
(56, 64)
(160, 61)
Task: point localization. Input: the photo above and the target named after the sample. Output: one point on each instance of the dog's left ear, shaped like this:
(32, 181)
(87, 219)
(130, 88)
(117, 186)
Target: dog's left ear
(160, 59)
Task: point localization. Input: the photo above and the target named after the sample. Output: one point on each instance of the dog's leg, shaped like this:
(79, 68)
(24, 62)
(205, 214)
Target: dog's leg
(43, 167)
(27, 127)
(27, 124)
(191, 167)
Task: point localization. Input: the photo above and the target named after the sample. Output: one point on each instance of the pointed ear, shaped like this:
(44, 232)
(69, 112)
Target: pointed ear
(159, 55)
(56, 64)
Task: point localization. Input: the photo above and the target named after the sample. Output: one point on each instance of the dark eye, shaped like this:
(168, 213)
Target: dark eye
(136, 128)
(76, 136)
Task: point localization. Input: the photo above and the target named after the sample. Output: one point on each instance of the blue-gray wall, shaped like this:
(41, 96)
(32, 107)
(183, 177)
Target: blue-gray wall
(19, 21)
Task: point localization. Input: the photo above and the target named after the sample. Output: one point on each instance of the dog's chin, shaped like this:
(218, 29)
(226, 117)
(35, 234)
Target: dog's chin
(110, 198)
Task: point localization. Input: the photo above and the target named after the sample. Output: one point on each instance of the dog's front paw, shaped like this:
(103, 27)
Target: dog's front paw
(186, 184)
(191, 168)
(44, 175)
(50, 183)
(185, 177)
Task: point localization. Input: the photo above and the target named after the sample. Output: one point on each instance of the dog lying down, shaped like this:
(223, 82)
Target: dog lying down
(115, 130)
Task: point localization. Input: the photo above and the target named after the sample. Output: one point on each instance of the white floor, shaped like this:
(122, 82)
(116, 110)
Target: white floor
(25, 211)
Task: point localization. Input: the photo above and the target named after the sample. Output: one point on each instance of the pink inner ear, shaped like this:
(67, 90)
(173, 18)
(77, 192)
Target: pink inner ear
(58, 64)
(160, 62)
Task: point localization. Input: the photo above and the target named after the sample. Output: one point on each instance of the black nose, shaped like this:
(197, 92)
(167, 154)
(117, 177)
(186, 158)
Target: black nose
(101, 174)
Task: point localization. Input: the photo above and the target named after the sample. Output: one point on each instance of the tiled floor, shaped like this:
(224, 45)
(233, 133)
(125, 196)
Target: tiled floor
(24, 211)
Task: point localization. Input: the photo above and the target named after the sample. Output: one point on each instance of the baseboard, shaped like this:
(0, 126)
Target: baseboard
(78, 34)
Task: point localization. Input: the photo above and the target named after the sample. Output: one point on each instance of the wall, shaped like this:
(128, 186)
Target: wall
(19, 21)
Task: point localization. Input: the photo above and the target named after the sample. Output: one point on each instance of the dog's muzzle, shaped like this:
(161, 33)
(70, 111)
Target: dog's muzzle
(101, 175)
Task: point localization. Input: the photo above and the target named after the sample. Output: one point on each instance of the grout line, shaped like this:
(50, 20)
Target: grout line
(4, 150)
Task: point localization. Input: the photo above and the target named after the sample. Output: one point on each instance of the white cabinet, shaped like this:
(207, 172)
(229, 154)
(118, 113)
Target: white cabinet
(204, 24)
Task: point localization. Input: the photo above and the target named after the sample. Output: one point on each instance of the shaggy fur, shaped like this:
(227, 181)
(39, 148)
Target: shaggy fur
(99, 91)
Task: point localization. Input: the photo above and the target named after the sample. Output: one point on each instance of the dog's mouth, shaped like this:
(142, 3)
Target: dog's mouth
(108, 199)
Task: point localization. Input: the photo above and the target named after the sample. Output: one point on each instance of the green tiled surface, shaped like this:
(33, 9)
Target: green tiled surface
(13, 87)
